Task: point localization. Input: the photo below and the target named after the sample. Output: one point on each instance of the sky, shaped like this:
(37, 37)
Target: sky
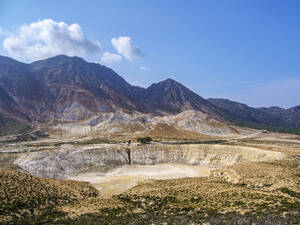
(247, 51)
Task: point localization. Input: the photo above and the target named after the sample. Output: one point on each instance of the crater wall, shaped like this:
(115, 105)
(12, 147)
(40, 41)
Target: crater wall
(69, 161)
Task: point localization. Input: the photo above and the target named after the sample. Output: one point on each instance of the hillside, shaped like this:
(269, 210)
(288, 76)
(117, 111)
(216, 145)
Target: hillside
(65, 88)
(291, 115)
(22, 194)
(171, 96)
(70, 89)
(275, 118)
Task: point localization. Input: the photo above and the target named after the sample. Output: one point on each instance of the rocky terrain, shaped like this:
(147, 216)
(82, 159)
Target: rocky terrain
(249, 179)
(68, 161)
(24, 194)
(290, 115)
(70, 151)
(68, 90)
(188, 123)
(271, 118)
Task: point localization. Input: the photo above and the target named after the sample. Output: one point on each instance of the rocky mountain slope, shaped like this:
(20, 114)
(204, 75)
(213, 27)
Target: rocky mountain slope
(54, 87)
(187, 124)
(66, 88)
(171, 96)
(246, 113)
(69, 89)
(265, 116)
(291, 115)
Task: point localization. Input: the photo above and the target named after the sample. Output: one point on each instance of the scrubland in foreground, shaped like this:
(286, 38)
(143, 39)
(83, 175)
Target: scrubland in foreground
(244, 193)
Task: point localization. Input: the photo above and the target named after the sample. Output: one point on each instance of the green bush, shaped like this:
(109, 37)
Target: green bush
(144, 140)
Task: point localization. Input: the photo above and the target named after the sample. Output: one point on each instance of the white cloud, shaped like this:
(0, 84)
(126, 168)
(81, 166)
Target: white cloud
(110, 58)
(125, 47)
(144, 68)
(1, 31)
(47, 38)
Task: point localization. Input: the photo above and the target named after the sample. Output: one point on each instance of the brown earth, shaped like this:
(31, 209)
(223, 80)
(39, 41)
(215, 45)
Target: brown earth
(24, 195)
(245, 193)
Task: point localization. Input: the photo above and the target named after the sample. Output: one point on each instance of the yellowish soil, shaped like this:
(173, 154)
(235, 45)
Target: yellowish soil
(123, 178)
(165, 131)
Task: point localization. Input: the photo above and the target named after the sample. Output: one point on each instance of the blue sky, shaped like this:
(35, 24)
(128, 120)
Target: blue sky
(246, 51)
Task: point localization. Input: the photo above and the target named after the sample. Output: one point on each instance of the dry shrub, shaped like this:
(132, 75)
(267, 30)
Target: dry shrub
(24, 193)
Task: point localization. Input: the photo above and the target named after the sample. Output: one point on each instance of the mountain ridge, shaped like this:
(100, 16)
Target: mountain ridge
(67, 88)
(273, 116)
(71, 89)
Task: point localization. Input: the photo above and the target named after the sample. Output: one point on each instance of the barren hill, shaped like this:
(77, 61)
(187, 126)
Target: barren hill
(70, 89)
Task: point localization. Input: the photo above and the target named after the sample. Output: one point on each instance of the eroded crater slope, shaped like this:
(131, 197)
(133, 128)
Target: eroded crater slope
(69, 161)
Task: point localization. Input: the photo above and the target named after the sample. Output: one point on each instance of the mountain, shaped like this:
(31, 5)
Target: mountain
(270, 117)
(172, 97)
(22, 93)
(11, 118)
(70, 89)
(13, 82)
(10, 125)
(245, 113)
(76, 89)
(291, 115)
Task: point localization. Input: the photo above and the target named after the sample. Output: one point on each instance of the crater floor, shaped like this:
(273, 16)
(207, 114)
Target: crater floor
(254, 179)
(120, 179)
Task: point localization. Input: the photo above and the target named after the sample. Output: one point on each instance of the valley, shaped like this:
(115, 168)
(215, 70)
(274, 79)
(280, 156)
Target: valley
(149, 112)
(249, 177)
(80, 145)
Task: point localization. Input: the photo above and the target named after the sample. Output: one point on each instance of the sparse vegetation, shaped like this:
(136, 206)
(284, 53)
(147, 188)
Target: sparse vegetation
(12, 126)
(144, 140)
(22, 195)
(92, 141)
(264, 192)
(26, 136)
(199, 142)
(290, 192)
(180, 201)
(288, 130)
